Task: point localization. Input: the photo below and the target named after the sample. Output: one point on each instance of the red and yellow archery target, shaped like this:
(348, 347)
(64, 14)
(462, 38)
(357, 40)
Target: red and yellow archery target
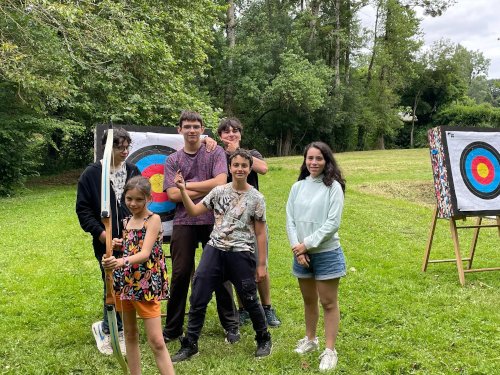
(480, 169)
(151, 160)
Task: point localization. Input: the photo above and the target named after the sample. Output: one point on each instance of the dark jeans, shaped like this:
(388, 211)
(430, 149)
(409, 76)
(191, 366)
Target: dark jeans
(217, 266)
(183, 244)
(105, 325)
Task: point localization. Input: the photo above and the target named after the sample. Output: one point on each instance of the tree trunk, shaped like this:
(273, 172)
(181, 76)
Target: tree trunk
(347, 46)
(314, 7)
(231, 42)
(285, 145)
(380, 142)
(375, 37)
(337, 44)
(414, 110)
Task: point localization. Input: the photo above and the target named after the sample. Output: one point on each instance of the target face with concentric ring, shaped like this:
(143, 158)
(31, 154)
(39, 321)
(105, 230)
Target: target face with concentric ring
(151, 160)
(480, 169)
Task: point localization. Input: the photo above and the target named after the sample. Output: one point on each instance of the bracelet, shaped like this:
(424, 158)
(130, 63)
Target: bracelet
(126, 262)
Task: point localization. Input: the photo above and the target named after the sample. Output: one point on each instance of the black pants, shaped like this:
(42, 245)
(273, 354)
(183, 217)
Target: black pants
(217, 266)
(183, 244)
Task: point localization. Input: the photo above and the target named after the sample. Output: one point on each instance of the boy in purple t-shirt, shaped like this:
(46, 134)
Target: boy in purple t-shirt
(202, 172)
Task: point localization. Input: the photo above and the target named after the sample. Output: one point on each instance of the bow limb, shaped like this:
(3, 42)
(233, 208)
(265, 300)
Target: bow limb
(108, 228)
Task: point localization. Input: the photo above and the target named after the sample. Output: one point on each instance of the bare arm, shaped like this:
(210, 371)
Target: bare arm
(210, 143)
(259, 166)
(261, 235)
(191, 208)
(207, 185)
(174, 194)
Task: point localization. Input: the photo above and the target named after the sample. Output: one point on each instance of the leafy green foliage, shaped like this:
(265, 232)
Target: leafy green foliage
(483, 115)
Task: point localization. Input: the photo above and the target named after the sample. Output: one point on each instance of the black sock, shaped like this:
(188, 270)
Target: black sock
(266, 307)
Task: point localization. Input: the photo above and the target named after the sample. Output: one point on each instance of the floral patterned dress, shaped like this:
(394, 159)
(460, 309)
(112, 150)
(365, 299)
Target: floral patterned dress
(147, 281)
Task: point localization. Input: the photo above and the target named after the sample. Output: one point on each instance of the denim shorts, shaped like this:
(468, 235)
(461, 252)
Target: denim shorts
(326, 265)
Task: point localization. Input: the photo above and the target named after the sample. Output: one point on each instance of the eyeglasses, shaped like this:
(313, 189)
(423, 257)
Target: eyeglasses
(189, 127)
(122, 148)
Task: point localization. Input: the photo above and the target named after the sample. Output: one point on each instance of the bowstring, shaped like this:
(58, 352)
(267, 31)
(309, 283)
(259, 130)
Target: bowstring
(118, 300)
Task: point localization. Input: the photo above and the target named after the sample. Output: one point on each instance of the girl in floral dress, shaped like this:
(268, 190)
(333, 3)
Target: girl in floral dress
(140, 277)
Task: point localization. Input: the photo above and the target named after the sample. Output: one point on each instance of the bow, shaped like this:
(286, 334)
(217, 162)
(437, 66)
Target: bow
(108, 227)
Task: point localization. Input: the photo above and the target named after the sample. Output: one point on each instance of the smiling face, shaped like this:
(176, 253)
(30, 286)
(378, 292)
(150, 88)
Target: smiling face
(239, 168)
(230, 135)
(191, 131)
(136, 201)
(315, 162)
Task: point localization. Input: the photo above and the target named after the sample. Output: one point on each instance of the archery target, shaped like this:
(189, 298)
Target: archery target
(480, 169)
(473, 164)
(151, 160)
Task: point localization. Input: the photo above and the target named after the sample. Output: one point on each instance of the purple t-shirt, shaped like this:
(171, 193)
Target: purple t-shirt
(201, 166)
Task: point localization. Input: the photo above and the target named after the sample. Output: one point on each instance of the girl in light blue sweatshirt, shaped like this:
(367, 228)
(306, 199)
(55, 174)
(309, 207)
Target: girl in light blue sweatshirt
(313, 213)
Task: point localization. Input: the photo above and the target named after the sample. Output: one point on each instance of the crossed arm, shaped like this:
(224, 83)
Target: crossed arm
(196, 189)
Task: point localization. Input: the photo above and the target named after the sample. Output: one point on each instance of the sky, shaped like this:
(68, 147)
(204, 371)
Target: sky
(475, 24)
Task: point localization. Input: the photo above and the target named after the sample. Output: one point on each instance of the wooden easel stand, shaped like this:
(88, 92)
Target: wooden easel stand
(454, 235)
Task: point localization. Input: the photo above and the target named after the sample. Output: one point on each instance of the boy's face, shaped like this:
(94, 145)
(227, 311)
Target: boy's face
(239, 168)
(231, 135)
(191, 131)
(120, 152)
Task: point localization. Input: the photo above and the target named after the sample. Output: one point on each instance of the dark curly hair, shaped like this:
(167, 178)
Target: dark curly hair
(331, 172)
(120, 135)
(244, 154)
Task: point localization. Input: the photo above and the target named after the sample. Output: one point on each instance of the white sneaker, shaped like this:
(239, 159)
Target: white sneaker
(106, 346)
(329, 360)
(101, 339)
(305, 345)
(121, 340)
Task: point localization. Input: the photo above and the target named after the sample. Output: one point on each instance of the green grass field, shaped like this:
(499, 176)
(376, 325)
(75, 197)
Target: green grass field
(395, 318)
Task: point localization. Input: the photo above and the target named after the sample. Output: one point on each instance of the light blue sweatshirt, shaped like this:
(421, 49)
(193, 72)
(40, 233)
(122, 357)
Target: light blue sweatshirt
(313, 213)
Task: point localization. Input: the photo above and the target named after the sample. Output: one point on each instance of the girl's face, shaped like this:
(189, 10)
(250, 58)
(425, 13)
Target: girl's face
(315, 162)
(136, 201)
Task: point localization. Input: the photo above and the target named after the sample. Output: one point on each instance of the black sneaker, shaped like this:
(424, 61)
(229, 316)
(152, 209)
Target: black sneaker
(271, 318)
(244, 316)
(264, 346)
(167, 338)
(233, 336)
(188, 349)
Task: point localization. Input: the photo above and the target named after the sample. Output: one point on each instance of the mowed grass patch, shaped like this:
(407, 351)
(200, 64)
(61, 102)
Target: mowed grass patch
(395, 318)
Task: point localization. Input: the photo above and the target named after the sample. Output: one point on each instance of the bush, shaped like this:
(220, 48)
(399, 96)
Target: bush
(483, 115)
(17, 158)
(33, 146)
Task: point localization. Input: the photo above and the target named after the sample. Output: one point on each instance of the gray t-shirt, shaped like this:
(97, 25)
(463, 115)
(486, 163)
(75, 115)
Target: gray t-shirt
(235, 214)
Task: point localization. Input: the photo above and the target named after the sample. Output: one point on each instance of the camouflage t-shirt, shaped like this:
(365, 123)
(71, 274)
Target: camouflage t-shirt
(235, 214)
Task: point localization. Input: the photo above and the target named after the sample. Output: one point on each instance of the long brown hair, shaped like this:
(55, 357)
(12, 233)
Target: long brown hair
(331, 172)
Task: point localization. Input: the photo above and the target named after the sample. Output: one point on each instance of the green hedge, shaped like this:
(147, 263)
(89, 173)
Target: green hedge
(482, 115)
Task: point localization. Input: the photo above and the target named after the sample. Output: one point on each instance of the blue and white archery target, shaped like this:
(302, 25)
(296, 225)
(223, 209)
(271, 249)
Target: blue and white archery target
(480, 169)
(475, 168)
